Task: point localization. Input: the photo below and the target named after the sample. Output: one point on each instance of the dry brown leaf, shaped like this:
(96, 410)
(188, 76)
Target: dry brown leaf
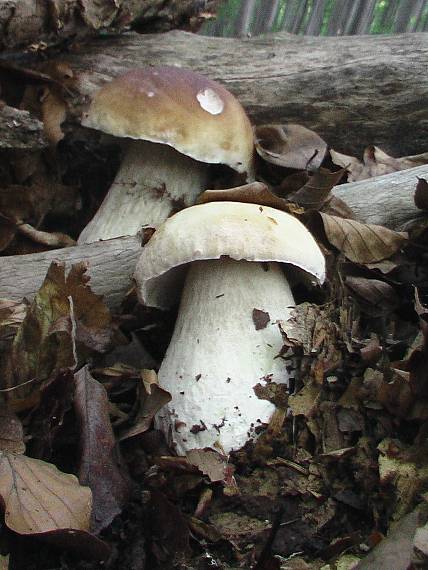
(101, 467)
(209, 462)
(290, 145)
(38, 498)
(253, 193)
(152, 399)
(316, 192)
(375, 163)
(374, 296)
(362, 243)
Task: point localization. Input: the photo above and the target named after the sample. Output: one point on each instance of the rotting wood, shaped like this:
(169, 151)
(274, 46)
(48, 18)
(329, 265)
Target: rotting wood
(352, 90)
(111, 265)
(385, 200)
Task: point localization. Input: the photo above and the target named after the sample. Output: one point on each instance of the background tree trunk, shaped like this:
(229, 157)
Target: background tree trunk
(352, 90)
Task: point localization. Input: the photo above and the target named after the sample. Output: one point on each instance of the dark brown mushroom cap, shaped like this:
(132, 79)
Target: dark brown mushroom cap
(180, 108)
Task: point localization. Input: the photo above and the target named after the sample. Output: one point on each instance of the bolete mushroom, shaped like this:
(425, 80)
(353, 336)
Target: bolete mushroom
(226, 337)
(175, 122)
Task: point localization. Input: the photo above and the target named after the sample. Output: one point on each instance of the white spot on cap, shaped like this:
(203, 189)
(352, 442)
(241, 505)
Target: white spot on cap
(150, 94)
(210, 101)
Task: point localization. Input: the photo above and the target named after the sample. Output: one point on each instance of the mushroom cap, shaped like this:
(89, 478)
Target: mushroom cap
(180, 108)
(216, 229)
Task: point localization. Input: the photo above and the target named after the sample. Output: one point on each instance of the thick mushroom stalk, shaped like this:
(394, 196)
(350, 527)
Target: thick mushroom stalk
(226, 339)
(220, 351)
(147, 189)
(175, 122)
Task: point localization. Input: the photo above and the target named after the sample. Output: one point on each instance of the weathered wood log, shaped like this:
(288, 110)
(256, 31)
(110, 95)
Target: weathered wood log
(41, 23)
(352, 90)
(385, 200)
(111, 265)
(19, 130)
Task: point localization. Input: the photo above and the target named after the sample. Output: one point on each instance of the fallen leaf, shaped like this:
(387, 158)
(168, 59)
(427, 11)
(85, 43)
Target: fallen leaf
(260, 319)
(65, 319)
(253, 193)
(38, 498)
(374, 296)
(362, 243)
(101, 467)
(316, 192)
(209, 462)
(46, 420)
(152, 398)
(290, 145)
(375, 163)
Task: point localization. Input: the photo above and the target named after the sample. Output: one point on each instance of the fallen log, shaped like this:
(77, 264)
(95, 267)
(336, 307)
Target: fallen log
(385, 200)
(19, 130)
(352, 90)
(38, 24)
(111, 265)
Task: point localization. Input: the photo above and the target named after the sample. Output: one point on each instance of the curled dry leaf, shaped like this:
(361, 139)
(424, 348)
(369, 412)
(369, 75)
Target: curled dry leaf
(38, 498)
(100, 463)
(253, 193)
(152, 399)
(290, 145)
(375, 297)
(316, 191)
(375, 163)
(362, 243)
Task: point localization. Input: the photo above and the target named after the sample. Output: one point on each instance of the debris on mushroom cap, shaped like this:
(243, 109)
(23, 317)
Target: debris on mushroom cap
(175, 106)
(212, 230)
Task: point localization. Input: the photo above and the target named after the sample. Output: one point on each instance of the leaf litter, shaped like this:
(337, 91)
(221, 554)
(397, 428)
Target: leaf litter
(342, 460)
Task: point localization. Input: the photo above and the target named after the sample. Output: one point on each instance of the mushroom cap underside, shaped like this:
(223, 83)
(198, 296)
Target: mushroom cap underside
(180, 108)
(213, 230)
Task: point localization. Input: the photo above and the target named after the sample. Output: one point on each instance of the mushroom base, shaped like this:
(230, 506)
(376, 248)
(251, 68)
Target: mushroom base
(226, 340)
(153, 181)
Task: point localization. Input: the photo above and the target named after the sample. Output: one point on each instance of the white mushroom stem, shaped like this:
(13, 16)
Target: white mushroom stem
(217, 356)
(153, 181)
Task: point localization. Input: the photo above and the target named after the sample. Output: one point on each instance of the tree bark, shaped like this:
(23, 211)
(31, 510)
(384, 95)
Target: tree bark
(111, 265)
(353, 90)
(27, 22)
(386, 200)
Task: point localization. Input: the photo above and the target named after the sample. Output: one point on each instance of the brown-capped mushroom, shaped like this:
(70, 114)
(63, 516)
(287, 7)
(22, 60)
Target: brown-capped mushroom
(232, 254)
(175, 122)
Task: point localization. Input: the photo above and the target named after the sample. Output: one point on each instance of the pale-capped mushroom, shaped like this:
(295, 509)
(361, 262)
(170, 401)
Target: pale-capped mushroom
(221, 348)
(175, 122)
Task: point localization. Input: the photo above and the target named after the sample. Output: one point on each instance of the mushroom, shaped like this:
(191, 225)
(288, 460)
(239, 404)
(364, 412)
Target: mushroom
(175, 122)
(226, 337)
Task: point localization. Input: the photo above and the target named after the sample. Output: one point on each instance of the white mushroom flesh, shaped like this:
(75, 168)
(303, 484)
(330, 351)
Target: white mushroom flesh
(153, 181)
(217, 355)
